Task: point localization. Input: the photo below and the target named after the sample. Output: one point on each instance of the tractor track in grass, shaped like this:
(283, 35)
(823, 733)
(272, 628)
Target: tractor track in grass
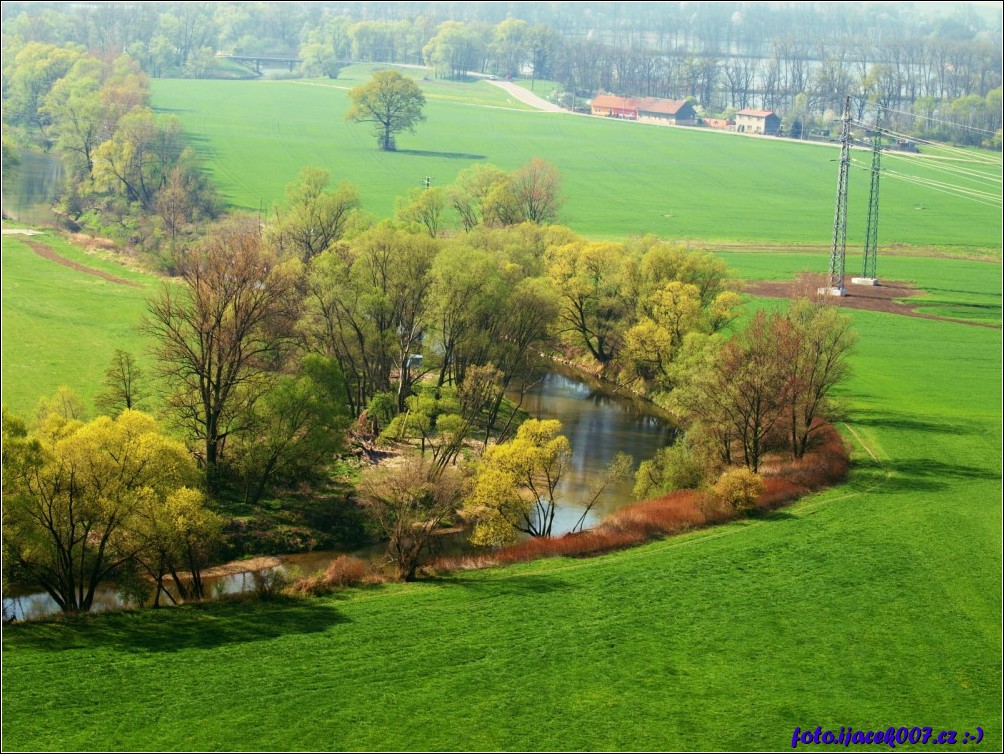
(47, 252)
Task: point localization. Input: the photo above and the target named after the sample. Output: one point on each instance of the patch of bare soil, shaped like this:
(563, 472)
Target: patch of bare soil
(876, 298)
(47, 252)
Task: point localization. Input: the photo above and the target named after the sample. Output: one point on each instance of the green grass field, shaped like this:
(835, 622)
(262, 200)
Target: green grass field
(620, 178)
(871, 605)
(61, 326)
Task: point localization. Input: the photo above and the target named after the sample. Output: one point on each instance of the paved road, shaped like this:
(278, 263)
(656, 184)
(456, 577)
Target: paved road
(528, 97)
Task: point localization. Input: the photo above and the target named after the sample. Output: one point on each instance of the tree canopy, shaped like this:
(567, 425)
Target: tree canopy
(391, 102)
(80, 500)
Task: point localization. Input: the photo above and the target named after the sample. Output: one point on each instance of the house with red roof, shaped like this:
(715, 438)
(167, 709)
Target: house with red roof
(764, 122)
(611, 106)
(669, 112)
(665, 112)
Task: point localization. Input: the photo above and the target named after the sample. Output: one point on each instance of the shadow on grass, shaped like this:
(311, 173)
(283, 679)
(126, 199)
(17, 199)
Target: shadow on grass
(447, 155)
(774, 515)
(919, 474)
(205, 626)
(510, 585)
(203, 145)
(905, 421)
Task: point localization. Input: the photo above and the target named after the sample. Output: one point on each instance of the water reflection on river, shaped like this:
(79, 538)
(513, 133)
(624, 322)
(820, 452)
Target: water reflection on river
(597, 423)
(31, 186)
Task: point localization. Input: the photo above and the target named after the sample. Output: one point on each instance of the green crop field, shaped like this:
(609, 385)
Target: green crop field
(871, 605)
(621, 178)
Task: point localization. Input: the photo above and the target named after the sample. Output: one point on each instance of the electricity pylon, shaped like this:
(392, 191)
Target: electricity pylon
(838, 251)
(868, 270)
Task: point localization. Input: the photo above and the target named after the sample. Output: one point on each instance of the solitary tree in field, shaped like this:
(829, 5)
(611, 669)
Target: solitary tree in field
(391, 102)
(121, 381)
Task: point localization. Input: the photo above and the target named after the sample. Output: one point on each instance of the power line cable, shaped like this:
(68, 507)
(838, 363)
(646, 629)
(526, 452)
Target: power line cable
(938, 120)
(969, 155)
(952, 190)
(961, 173)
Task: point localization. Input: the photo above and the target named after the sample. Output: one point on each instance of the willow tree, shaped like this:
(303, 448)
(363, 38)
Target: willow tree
(515, 487)
(76, 493)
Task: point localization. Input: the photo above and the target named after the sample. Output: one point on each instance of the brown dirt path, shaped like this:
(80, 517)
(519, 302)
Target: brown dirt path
(878, 298)
(47, 252)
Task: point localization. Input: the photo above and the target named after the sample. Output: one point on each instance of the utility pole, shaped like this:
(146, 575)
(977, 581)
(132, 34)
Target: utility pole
(838, 251)
(869, 268)
(427, 182)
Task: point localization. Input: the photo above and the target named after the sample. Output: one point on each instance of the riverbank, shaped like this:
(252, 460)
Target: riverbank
(824, 465)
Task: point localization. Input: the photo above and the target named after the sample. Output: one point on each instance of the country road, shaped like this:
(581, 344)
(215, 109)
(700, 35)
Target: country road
(527, 97)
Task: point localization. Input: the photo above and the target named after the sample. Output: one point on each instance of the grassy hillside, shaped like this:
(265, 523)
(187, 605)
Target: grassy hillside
(62, 325)
(871, 605)
(621, 178)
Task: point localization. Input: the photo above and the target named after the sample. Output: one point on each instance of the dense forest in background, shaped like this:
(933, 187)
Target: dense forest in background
(799, 59)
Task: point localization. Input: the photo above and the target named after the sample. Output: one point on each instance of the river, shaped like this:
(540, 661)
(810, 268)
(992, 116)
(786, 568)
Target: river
(31, 186)
(598, 423)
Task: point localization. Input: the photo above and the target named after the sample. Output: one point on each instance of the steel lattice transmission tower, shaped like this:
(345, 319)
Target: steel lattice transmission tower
(838, 252)
(871, 233)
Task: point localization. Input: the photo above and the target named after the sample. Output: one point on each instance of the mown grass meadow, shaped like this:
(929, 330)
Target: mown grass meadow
(62, 326)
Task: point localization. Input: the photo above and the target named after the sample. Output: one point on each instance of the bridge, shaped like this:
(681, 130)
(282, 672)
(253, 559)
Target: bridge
(255, 62)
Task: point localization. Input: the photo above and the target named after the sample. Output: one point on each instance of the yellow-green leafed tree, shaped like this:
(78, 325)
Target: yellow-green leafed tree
(391, 102)
(75, 494)
(516, 483)
(589, 280)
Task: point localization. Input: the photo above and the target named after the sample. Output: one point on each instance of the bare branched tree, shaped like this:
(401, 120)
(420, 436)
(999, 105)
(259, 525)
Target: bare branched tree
(220, 331)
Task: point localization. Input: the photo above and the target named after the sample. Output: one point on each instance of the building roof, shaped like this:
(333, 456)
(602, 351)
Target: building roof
(662, 106)
(614, 102)
(756, 113)
(718, 123)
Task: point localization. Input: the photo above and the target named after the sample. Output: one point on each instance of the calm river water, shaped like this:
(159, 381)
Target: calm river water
(598, 425)
(30, 187)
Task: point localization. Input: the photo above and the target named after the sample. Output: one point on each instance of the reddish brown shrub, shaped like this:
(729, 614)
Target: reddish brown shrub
(345, 571)
(668, 514)
(778, 490)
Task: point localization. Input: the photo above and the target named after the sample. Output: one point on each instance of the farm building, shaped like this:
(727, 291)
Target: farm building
(758, 122)
(614, 107)
(669, 112)
(649, 109)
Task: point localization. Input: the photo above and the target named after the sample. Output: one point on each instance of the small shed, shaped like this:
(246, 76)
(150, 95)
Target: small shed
(720, 123)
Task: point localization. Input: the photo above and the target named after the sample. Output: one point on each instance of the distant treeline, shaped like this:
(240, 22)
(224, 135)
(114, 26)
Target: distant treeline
(799, 60)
